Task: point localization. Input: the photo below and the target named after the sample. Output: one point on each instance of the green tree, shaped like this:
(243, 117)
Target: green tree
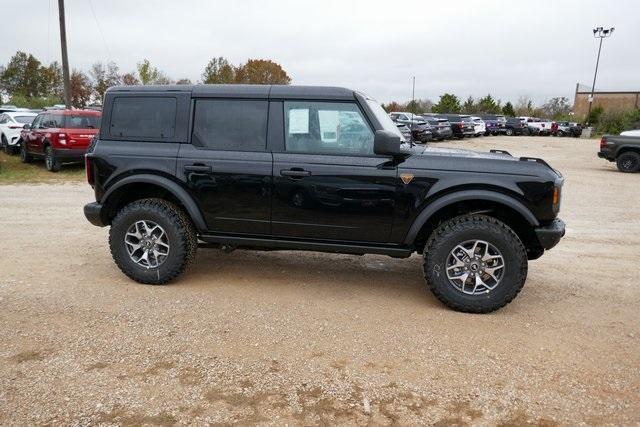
(448, 103)
(507, 110)
(469, 106)
(594, 117)
(22, 75)
(488, 105)
(262, 71)
(147, 72)
(219, 71)
(51, 81)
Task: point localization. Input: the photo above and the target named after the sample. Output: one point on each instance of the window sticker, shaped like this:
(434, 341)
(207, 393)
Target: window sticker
(299, 121)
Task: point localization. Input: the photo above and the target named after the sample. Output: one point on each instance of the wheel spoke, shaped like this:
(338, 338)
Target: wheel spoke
(477, 260)
(147, 244)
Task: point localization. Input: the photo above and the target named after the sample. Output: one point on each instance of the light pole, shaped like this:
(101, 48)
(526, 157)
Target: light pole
(599, 33)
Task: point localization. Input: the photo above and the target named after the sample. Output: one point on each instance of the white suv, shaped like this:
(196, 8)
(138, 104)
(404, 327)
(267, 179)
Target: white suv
(11, 123)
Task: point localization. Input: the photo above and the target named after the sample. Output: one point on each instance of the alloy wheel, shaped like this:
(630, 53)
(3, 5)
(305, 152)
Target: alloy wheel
(475, 267)
(147, 244)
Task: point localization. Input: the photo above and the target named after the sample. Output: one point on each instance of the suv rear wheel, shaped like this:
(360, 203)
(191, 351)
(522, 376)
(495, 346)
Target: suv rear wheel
(475, 264)
(152, 241)
(51, 163)
(628, 162)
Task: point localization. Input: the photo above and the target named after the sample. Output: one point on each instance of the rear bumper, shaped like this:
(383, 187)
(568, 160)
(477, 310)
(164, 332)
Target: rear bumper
(70, 154)
(605, 155)
(550, 235)
(93, 213)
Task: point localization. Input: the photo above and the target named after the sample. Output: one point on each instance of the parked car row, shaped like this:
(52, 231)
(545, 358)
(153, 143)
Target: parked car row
(433, 126)
(56, 135)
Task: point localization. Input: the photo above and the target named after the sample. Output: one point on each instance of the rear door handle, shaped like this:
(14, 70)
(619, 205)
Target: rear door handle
(198, 168)
(292, 173)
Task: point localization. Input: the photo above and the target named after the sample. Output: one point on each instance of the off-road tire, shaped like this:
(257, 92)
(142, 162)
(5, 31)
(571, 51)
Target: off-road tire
(180, 232)
(468, 227)
(50, 162)
(628, 162)
(25, 157)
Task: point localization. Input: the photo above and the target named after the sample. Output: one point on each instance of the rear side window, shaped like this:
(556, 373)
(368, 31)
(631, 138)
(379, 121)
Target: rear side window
(23, 119)
(143, 117)
(81, 121)
(230, 124)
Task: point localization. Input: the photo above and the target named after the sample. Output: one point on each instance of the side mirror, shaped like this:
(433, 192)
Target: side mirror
(386, 143)
(27, 126)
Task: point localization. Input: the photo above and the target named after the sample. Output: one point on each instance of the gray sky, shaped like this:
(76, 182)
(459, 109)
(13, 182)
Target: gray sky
(506, 48)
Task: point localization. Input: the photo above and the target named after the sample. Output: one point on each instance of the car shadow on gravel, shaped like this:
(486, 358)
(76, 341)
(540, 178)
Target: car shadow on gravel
(344, 275)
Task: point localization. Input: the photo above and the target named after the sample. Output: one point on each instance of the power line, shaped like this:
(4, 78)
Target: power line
(100, 30)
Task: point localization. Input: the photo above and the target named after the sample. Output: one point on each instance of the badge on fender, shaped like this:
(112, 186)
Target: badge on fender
(406, 177)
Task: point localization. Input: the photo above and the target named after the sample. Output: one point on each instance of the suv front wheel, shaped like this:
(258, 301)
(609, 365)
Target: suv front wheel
(475, 264)
(152, 241)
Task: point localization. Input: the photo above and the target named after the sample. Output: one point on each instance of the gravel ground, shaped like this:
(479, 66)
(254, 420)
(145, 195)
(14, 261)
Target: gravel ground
(309, 338)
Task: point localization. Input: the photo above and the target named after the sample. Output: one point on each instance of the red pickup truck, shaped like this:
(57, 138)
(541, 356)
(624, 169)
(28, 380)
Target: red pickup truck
(59, 136)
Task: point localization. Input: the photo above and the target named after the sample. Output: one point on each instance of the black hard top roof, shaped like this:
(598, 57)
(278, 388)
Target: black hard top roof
(246, 91)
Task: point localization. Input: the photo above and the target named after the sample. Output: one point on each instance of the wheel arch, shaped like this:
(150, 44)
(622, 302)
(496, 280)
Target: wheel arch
(500, 206)
(145, 186)
(626, 148)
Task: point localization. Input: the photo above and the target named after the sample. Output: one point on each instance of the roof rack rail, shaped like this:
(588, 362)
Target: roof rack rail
(500, 152)
(535, 159)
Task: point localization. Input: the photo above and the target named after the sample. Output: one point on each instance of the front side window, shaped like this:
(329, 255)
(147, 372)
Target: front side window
(326, 128)
(230, 124)
(143, 117)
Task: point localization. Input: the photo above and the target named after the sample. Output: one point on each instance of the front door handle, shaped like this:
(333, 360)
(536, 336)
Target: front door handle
(198, 168)
(295, 173)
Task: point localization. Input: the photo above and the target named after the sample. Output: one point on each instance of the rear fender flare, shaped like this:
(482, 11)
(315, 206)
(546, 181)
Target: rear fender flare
(172, 187)
(464, 195)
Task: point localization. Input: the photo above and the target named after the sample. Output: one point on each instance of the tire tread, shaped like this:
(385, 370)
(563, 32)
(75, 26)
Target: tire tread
(473, 222)
(188, 240)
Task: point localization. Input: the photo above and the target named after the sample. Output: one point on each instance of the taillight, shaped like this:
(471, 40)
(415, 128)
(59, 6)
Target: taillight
(603, 143)
(88, 169)
(461, 126)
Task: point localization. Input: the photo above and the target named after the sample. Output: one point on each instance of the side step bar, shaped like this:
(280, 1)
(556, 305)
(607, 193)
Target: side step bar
(232, 242)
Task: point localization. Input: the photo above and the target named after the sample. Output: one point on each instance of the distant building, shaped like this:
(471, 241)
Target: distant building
(608, 100)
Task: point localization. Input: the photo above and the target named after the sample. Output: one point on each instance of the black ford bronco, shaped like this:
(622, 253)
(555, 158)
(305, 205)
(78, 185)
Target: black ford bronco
(311, 168)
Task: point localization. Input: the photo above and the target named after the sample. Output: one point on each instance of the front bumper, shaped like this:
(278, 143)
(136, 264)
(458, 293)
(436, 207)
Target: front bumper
(93, 212)
(550, 235)
(70, 154)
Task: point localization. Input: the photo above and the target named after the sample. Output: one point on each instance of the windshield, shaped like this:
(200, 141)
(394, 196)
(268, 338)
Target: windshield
(24, 119)
(81, 121)
(383, 118)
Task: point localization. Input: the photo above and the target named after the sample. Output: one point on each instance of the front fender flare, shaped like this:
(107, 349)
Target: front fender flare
(171, 186)
(463, 195)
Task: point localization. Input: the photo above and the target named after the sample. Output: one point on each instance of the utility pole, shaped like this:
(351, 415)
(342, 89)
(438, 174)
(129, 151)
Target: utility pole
(600, 33)
(65, 58)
